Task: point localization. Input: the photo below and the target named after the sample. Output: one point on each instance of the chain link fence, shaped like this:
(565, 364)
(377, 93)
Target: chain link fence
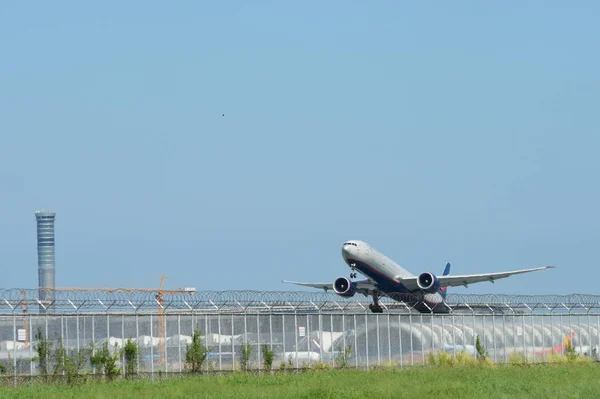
(298, 340)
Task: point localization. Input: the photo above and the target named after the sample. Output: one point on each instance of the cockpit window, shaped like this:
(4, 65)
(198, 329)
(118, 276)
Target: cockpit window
(350, 243)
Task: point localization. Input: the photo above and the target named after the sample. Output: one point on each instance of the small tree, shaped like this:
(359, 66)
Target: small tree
(130, 352)
(82, 356)
(268, 357)
(245, 353)
(59, 359)
(65, 365)
(481, 352)
(42, 349)
(196, 353)
(107, 362)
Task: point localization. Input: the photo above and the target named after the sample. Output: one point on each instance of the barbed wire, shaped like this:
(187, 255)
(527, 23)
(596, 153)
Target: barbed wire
(79, 300)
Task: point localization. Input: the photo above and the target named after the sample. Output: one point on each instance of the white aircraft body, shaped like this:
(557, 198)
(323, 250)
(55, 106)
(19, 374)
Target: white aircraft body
(387, 278)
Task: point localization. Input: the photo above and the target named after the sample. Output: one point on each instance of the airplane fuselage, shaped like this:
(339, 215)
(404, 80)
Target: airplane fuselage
(386, 274)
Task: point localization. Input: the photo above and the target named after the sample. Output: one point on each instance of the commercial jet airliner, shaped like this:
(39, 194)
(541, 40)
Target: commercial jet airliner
(387, 278)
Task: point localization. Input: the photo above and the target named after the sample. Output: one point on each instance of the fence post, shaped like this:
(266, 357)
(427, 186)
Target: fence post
(400, 340)
(179, 341)
(332, 348)
(270, 329)
(355, 343)
(220, 339)
(151, 349)
(232, 344)
(523, 332)
(137, 339)
(412, 349)
(258, 338)
(93, 341)
(367, 339)
(30, 345)
(454, 336)
(62, 341)
(308, 343)
(504, 335)
(320, 322)
(296, 334)
(389, 340)
(378, 340)
(207, 329)
(15, 347)
(164, 321)
(77, 332)
(533, 337)
(422, 341)
(283, 334)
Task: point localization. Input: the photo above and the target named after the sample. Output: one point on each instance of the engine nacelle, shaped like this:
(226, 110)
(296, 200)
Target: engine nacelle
(344, 287)
(428, 282)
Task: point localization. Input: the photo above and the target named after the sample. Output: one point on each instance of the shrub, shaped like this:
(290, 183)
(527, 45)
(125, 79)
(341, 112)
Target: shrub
(268, 357)
(106, 362)
(320, 365)
(196, 353)
(245, 353)
(481, 352)
(130, 352)
(341, 360)
(461, 358)
(516, 358)
(42, 349)
(441, 358)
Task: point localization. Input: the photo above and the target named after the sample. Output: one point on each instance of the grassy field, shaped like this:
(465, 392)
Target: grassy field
(510, 381)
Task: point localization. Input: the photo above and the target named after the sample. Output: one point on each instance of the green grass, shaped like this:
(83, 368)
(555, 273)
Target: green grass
(567, 380)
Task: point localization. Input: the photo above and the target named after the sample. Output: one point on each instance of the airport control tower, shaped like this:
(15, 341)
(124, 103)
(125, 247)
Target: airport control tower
(45, 249)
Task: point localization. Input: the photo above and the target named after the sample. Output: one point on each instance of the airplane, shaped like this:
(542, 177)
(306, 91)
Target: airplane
(387, 278)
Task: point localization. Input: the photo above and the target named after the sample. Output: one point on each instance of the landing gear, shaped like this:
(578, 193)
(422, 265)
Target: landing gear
(375, 306)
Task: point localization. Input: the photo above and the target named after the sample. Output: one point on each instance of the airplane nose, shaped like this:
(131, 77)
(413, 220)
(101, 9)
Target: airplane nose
(346, 250)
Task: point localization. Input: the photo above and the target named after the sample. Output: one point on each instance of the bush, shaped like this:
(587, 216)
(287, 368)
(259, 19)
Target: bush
(268, 357)
(70, 366)
(196, 353)
(42, 349)
(130, 353)
(481, 352)
(341, 360)
(462, 358)
(245, 353)
(106, 362)
(516, 358)
(320, 365)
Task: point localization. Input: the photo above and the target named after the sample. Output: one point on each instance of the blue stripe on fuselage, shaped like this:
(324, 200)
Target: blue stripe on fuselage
(383, 282)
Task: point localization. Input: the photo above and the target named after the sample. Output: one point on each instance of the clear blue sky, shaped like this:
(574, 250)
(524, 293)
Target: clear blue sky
(436, 131)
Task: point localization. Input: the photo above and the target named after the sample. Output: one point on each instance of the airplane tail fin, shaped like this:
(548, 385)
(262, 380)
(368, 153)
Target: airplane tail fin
(446, 272)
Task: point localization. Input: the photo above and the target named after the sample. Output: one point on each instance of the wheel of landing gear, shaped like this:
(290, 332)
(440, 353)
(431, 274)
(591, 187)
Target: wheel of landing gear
(375, 308)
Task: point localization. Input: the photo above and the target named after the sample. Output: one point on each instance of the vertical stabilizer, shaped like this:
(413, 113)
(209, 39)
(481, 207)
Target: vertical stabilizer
(446, 272)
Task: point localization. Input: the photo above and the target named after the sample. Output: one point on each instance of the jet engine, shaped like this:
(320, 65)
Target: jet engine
(344, 287)
(428, 282)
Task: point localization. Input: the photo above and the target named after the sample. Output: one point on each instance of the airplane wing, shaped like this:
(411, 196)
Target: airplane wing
(466, 279)
(365, 287)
